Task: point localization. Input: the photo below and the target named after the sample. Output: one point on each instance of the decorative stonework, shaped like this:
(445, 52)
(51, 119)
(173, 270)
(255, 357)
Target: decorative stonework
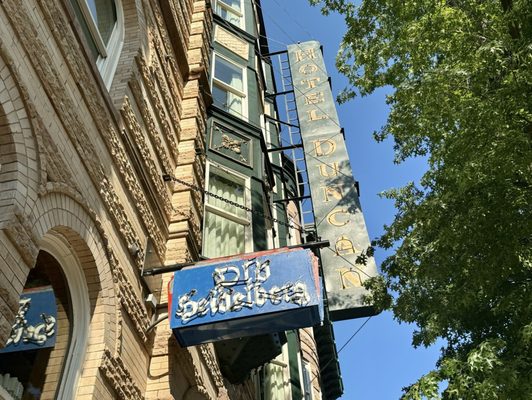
(42, 62)
(170, 70)
(126, 170)
(36, 121)
(61, 78)
(135, 129)
(54, 167)
(151, 128)
(231, 144)
(54, 175)
(147, 80)
(127, 296)
(119, 378)
(178, 16)
(125, 292)
(212, 365)
(116, 208)
(169, 96)
(192, 371)
(21, 233)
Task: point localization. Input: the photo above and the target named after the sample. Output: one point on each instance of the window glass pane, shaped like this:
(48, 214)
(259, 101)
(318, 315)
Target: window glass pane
(223, 237)
(228, 190)
(227, 101)
(219, 97)
(27, 370)
(235, 4)
(85, 28)
(104, 14)
(228, 73)
(275, 382)
(229, 10)
(228, 16)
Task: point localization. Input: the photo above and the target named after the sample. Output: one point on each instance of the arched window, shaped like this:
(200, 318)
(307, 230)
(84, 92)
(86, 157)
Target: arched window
(44, 353)
(103, 27)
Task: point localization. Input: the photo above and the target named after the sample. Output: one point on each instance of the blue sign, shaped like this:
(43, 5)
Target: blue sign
(35, 324)
(248, 295)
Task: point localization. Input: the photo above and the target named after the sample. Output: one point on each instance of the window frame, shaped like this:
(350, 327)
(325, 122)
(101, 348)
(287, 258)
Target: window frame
(238, 178)
(229, 8)
(266, 125)
(281, 361)
(224, 86)
(273, 241)
(108, 55)
(60, 249)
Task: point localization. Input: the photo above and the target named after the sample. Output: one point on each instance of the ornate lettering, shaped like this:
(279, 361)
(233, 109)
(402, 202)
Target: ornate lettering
(331, 217)
(333, 191)
(314, 116)
(22, 331)
(314, 98)
(225, 296)
(329, 170)
(308, 69)
(311, 82)
(305, 54)
(344, 246)
(324, 151)
(349, 278)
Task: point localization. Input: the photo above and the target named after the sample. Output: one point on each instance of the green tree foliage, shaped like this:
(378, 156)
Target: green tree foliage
(461, 71)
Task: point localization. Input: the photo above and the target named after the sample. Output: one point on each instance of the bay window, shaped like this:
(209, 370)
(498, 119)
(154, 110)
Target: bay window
(229, 86)
(231, 11)
(226, 226)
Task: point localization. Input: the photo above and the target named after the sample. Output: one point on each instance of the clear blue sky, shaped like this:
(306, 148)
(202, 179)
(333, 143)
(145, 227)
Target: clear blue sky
(380, 360)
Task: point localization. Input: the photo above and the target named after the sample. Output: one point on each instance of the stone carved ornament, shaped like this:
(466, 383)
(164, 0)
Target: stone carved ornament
(71, 119)
(119, 377)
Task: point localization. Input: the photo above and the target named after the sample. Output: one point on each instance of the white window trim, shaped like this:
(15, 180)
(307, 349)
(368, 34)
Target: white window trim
(227, 214)
(246, 222)
(273, 241)
(225, 86)
(91, 24)
(261, 80)
(234, 11)
(265, 125)
(269, 111)
(59, 248)
(109, 55)
(4, 394)
(282, 361)
(229, 88)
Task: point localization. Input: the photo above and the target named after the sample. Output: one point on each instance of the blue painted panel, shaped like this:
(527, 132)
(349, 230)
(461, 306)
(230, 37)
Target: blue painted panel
(249, 295)
(35, 324)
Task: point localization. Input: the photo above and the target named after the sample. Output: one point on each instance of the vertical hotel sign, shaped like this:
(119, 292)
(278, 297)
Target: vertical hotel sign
(337, 209)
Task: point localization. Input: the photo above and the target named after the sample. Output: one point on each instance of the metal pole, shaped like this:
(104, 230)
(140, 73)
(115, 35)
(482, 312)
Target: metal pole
(177, 267)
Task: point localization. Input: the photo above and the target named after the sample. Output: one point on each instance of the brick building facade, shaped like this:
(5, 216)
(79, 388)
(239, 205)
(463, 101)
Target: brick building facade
(83, 147)
(99, 100)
